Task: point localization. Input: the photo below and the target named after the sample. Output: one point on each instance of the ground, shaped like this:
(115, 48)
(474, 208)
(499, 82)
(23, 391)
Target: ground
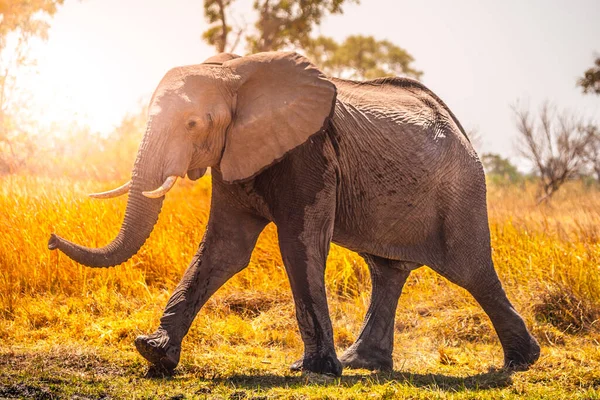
(67, 331)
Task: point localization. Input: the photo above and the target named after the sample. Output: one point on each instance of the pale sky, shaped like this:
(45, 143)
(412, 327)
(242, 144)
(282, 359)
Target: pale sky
(105, 57)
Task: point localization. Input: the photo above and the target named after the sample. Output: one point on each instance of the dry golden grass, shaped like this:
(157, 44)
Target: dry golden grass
(67, 330)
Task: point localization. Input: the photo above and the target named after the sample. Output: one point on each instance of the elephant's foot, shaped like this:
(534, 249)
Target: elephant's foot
(374, 360)
(158, 351)
(520, 357)
(321, 364)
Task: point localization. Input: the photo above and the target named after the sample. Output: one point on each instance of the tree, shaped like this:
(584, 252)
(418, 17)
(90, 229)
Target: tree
(360, 57)
(590, 83)
(288, 24)
(592, 151)
(216, 13)
(280, 23)
(500, 168)
(20, 21)
(555, 144)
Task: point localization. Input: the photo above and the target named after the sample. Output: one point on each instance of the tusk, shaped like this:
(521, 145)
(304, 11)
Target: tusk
(112, 193)
(161, 191)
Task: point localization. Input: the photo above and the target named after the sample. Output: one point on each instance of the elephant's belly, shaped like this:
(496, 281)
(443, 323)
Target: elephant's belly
(389, 225)
(391, 187)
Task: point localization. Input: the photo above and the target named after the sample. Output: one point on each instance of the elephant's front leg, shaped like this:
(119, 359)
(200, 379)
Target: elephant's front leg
(305, 228)
(225, 250)
(304, 259)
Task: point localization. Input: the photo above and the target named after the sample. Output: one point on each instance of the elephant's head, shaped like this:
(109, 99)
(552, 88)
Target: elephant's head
(236, 114)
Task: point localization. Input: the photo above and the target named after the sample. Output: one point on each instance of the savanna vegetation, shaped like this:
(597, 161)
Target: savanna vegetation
(67, 331)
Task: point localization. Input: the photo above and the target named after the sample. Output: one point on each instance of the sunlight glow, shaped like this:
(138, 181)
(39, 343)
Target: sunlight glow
(479, 57)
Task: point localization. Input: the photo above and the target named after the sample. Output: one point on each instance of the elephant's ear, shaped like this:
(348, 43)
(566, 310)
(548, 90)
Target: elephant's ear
(282, 100)
(220, 58)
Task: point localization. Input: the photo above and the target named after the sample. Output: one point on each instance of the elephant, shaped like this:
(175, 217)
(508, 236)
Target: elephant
(380, 167)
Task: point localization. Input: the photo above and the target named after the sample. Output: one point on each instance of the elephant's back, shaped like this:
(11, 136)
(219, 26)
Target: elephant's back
(405, 102)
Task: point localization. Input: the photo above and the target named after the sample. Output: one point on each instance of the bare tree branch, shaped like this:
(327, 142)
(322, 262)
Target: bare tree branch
(556, 146)
(236, 42)
(592, 151)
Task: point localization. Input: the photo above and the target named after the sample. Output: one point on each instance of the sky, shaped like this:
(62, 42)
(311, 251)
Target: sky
(104, 58)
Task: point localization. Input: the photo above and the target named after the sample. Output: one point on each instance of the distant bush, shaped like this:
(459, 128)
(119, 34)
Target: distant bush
(500, 170)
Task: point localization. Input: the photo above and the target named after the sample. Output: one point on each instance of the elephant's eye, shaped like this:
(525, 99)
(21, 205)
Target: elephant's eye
(191, 124)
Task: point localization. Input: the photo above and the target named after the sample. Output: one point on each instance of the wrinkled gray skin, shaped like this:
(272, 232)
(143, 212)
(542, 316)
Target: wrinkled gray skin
(381, 167)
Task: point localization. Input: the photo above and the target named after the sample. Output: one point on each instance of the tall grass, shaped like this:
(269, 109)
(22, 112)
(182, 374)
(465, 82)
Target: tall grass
(548, 258)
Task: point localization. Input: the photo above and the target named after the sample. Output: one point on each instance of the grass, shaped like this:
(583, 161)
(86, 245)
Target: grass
(67, 331)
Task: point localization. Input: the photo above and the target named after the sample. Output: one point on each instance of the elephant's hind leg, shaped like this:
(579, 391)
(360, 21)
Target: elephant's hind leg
(469, 264)
(520, 347)
(373, 348)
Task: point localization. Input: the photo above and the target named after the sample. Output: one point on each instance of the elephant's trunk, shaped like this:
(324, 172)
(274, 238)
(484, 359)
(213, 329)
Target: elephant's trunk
(141, 215)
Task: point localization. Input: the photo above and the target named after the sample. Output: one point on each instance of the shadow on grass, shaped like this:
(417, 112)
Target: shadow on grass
(490, 380)
(493, 379)
(39, 375)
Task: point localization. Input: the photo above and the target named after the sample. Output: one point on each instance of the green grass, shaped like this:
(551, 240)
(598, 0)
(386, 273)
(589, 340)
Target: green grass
(90, 372)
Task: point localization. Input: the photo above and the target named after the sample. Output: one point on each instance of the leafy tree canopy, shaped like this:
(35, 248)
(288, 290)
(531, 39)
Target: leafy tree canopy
(590, 83)
(288, 24)
(217, 33)
(26, 16)
(360, 57)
